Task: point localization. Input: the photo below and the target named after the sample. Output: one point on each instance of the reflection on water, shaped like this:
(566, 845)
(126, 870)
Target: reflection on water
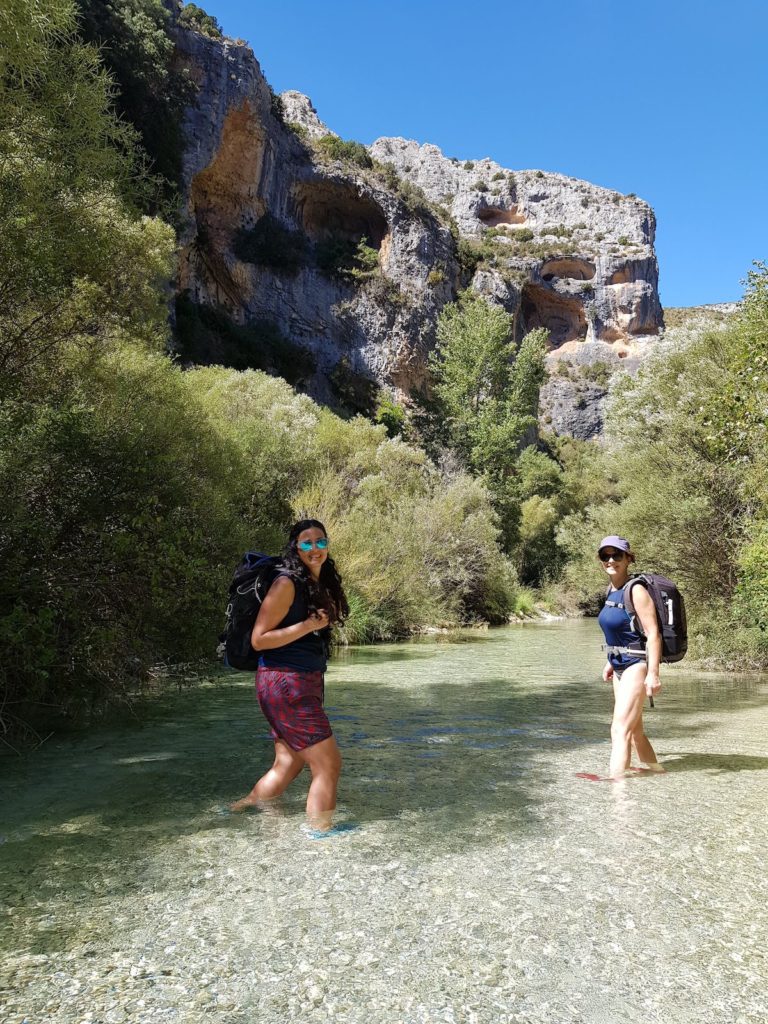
(473, 876)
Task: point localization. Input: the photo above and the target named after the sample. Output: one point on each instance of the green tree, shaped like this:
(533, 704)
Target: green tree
(135, 46)
(487, 392)
(78, 265)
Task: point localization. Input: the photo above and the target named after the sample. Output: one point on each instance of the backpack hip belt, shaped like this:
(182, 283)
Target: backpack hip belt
(639, 652)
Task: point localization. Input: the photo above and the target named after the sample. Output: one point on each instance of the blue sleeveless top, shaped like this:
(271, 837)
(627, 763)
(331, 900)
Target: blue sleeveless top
(615, 622)
(307, 654)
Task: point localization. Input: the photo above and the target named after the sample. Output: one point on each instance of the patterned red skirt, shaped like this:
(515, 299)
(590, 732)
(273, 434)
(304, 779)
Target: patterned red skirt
(292, 703)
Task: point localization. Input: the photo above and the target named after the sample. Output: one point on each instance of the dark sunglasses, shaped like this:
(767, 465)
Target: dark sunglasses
(608, 556)
(307, 545)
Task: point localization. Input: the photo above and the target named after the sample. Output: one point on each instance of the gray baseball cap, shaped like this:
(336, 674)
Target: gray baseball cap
(620, 543)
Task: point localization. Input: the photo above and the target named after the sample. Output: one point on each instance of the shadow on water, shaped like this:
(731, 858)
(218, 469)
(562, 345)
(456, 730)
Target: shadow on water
(452, 741)
(715, 763)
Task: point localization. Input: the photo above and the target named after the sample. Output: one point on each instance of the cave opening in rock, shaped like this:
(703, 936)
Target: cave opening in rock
(568, 267)
(327, 210)
(495, 217)
(627, 274)
(563, 316)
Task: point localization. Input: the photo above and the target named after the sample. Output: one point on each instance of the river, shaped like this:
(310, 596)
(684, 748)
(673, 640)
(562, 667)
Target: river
(475, 877)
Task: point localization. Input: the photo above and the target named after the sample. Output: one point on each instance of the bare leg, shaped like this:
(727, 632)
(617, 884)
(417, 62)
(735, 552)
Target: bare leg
(642, 745)
(287, 765)
(629, 695)
(324, 762)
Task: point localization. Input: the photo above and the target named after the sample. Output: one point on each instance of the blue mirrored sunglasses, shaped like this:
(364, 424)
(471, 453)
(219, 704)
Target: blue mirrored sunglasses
(307, 545)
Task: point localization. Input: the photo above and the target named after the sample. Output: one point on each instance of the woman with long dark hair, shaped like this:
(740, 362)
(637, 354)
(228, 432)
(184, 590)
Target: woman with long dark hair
(291, 635)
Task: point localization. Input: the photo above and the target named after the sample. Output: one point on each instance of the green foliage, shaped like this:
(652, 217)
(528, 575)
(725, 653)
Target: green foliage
(687, 439)
(152, 92)
(623, 240)
(523, 235)
(207, 335)
(487, 394)
(498, 176)
(599, 372)
(341, 256)
(270, 243)
(390, 415)
(67, 161)
(333, 148)
(480, 186)
(435, 277)
(194, 17)
(116, 532)
(469, 165)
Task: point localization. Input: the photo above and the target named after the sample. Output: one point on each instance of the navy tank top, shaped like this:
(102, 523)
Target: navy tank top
(307, 654)
(615, 623)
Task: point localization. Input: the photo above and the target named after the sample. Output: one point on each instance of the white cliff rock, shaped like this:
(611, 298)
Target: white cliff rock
(554, 251)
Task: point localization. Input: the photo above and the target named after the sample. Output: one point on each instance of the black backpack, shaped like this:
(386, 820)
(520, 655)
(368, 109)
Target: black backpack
(670, 613)
(252, 579)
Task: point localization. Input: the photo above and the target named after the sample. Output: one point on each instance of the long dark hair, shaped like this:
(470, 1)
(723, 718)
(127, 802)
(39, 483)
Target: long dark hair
(326, 592)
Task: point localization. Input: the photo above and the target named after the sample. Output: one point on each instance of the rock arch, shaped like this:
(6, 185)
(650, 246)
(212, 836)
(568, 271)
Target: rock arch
(330, 209)
(563, 316)
(568, 266)
(496, 217)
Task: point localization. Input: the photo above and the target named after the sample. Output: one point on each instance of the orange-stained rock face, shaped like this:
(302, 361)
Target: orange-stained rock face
(556, 253)
(226, 193)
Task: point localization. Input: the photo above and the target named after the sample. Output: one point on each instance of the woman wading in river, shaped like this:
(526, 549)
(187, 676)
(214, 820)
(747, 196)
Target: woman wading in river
(291, 636)
(634, 675)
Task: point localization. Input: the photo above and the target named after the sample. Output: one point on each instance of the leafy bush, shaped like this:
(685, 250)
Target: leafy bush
(523, 235)
(194, 17)
(270, 243)
(340, 256)
(435, 277)
(498, 176)
(480, 186)
(334, 148)
(390, 415)
(469, 165)
(135, 46)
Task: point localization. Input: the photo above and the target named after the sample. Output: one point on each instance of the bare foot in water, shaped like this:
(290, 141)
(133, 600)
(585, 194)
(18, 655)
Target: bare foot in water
(248, 803)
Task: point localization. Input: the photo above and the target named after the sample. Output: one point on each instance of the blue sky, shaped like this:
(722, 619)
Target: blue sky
(664, 99)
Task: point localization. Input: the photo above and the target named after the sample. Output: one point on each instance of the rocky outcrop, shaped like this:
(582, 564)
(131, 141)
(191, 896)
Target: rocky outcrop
(337, 261)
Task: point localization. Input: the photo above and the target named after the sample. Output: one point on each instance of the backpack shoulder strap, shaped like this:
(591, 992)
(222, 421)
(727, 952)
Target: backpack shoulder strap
(632, 582)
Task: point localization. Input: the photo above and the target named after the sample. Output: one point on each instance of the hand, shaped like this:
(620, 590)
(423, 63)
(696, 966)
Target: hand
(608, 672)
(652, 684)
(317, 620)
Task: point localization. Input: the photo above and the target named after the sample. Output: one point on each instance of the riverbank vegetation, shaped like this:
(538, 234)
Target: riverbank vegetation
(132, 486)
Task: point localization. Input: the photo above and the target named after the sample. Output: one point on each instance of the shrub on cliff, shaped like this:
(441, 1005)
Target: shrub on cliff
(136, 48)
(333, 148)
(194, 17)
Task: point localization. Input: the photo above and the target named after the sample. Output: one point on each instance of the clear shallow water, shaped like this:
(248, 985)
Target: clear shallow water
(482, 880)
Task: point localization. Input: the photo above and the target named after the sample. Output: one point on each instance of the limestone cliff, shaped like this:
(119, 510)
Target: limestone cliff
(338, 260)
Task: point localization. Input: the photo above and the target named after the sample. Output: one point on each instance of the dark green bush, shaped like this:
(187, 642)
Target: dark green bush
(343, 257)
(194, 17)
(480, 186)
(334, 148)
(269, 243)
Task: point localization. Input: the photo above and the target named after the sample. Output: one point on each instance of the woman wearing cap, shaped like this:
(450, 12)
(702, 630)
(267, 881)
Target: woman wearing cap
(634, 675)
(291, 634)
